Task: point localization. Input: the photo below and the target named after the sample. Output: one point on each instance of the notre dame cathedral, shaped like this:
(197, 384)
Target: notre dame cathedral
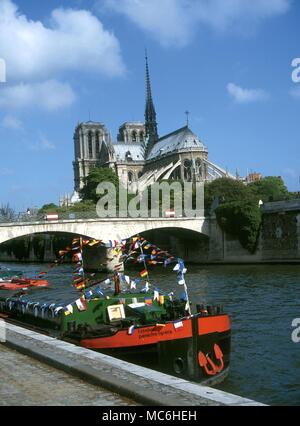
(140, 156)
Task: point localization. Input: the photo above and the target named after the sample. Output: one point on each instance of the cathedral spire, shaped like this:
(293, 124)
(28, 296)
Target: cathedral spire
(150, 114)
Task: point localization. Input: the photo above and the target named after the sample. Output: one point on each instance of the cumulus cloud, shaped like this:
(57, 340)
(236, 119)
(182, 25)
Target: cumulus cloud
(243, 96)
(174, 22)
(166, 20)
(49, 95)
(72, 40)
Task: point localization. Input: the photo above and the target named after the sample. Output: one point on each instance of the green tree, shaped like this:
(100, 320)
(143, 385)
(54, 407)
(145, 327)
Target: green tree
(242, 220)
(226, 190)
(270, 188)
(49, 208)
(98, 175)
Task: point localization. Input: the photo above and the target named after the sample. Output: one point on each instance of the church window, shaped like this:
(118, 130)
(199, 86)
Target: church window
(198, 170)
(141, 136)
(187, 170)
(130, 177)
(134, 136)
(97, 143)
(90, 142)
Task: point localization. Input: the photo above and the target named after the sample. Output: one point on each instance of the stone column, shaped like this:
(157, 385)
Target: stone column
(101, 259)
(216, 241)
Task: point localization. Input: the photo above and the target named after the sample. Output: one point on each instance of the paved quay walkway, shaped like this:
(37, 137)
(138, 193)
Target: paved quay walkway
(26, 382)
(140, 384)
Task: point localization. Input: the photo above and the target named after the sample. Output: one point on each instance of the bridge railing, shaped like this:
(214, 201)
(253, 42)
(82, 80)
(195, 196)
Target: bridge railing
(82, 215)
(43, 217)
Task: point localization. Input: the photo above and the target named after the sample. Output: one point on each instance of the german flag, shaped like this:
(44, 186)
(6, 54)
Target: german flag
(144, 273)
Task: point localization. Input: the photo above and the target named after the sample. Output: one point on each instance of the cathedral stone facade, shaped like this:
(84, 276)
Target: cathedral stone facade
(139, 156)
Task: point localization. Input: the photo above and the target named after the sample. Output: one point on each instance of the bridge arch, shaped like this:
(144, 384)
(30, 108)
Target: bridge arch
(190, 245)
(103, 229)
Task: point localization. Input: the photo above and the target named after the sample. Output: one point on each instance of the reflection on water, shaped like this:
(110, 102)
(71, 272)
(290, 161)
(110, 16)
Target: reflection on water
(262, 302)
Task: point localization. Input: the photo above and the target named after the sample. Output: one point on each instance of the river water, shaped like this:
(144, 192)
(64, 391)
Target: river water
(262, 302)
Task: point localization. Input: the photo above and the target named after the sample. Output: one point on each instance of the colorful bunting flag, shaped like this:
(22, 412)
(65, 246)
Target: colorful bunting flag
(81, 305)
(131, 329)
(99, 291)
(161, 299)
(156, 295)
(144, 273)
(88, 294)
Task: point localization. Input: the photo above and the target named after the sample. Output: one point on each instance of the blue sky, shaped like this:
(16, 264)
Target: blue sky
(228, 63)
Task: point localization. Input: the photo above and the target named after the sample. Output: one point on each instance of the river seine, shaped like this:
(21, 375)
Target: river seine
(262, 301)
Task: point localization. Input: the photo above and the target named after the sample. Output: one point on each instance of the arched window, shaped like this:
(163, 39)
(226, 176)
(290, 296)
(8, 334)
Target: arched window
(130, 177)
(90, 142)
(198, 170)
(140, 174)
(97, 144)
(187, 165)
(134, 136)
(141, 136)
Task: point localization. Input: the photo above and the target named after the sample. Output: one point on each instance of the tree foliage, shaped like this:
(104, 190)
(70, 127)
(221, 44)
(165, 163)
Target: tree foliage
(226, 190)
(237, 208)
(98, 175)
(49, 208)
(242, 220)
(270, 188)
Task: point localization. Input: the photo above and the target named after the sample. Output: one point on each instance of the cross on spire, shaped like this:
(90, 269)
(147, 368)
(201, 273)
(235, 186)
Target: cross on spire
(187, 113)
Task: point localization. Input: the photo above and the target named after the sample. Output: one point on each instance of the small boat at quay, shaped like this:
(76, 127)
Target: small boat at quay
(124, 315)
(22, 283)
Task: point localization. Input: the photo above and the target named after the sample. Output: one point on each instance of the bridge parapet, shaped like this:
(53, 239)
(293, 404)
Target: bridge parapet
(102, 229)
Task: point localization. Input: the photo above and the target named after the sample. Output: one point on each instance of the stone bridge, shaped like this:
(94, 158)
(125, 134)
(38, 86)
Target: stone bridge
(103, 229)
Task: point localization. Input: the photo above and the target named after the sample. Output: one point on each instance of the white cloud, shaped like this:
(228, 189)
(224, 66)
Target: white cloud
(49, 95)
(72, 40)
(243, 96)
(11, 122)
(42, 144)
(174, 22)
(165, 20)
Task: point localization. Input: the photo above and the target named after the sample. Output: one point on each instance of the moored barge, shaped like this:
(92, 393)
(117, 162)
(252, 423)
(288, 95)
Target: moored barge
(117, 318)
